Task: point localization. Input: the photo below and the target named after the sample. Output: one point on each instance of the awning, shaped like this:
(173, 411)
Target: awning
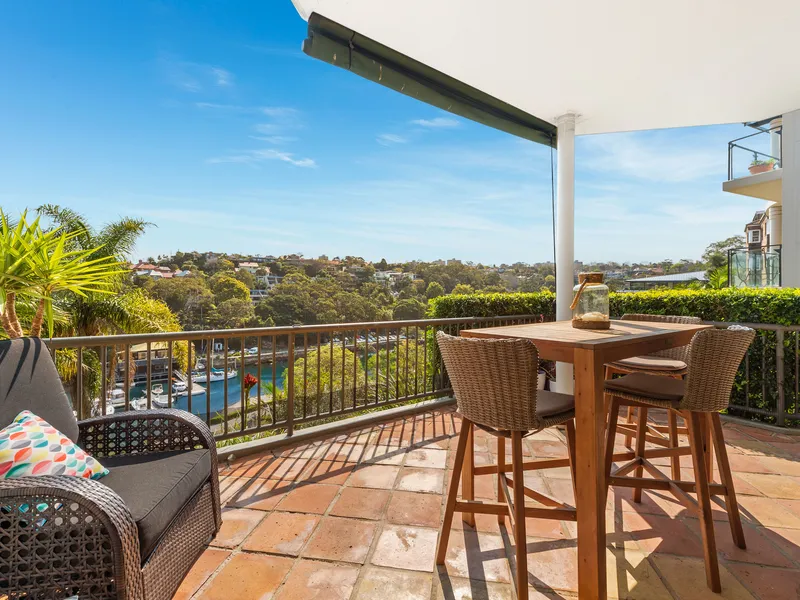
(343, 47)
(622, 65)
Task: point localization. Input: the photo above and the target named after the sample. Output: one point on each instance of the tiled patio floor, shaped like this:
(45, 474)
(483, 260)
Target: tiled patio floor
(357, 516)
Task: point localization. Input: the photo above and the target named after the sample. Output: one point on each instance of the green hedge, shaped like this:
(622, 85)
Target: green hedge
(779, 306)
(757, 385)
(493, 305)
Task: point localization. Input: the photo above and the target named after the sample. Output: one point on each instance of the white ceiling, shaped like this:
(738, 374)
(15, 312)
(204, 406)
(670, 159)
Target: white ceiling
(622, 65)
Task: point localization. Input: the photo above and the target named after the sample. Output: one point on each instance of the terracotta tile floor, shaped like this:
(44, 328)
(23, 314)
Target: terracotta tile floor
(356, 516)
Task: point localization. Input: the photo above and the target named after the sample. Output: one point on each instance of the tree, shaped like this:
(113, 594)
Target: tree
(403, 372)
(409, 309)
(299, 300)
(222, 265)
(100, 313)
(38, 265)
(226, 287)
(716, 254)
(550, 282)
(718, 278)
(341, 375)
(234, 313)
(382, 265)
(246, 278)
(463, 288)
(188, 297)
(434, 290)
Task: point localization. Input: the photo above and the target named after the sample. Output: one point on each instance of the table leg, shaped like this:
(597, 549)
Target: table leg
(590, 496)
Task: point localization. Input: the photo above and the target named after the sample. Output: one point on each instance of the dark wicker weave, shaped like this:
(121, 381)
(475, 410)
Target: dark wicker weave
(62, 536)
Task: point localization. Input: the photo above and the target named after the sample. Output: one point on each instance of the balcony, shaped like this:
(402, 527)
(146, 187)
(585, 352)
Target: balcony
(754, 163)
(355, 515)
(351, 507)
(754, 268)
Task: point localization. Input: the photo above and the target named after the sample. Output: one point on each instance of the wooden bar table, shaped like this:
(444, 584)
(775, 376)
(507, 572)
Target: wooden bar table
(588, 350)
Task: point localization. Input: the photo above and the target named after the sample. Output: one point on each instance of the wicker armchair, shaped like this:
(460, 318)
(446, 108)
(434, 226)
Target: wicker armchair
(131, 535)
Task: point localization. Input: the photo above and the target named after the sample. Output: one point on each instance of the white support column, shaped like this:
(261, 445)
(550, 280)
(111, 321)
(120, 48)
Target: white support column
(790, 221)
(565, 235)
(775, 138)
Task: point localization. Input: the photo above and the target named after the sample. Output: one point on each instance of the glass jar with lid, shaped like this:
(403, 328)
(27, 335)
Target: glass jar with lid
(590, 306)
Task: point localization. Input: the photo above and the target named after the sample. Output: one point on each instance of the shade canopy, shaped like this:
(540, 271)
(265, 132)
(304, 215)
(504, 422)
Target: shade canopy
(621, 65)
(340, 46)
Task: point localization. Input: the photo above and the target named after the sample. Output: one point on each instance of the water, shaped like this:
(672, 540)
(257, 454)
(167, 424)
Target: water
(218, 389)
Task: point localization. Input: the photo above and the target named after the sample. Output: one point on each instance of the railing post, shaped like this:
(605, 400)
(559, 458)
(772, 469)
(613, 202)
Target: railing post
(290, 385)
(779, 374)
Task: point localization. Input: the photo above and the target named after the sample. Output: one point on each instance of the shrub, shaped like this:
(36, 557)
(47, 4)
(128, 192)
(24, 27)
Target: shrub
(757, 385)
(493, 305)
(772, 305)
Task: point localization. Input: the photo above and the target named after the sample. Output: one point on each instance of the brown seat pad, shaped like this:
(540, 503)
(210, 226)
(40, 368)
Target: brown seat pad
(549, 404)
(651, 363)
(649, 386)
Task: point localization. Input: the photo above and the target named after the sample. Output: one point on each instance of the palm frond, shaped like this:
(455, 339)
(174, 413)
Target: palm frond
(119, 238)
(70, 221)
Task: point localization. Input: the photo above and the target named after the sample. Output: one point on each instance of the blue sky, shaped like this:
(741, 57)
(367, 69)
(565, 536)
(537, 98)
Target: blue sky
(206, 119)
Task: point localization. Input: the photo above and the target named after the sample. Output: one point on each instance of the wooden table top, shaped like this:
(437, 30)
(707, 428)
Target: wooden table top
(556, 340)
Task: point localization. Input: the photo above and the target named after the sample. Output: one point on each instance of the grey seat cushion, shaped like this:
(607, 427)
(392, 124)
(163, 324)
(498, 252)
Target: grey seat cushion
(155, 487)
(651, 363)
(657, 387)
(29, 381)
(549, 404)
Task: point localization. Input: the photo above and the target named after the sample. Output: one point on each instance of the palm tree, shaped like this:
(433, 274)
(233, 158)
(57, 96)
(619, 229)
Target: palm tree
(38, 264)
(100, 314)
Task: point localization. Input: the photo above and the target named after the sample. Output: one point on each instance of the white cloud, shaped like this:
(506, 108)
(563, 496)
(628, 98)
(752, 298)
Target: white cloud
(214, 219)
(653, 157)
(388, 139)
(224, 78)
(274, 139)
(279, 112)
(437, 123)
(225, 107)
(194, 77)
(254, 157)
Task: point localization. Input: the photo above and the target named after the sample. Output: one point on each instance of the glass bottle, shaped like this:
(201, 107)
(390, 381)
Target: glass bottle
(590, 306)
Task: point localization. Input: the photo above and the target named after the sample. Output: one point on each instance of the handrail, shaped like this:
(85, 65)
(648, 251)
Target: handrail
(305, 375)
(137, 338)
(756, 153)
(301, 374)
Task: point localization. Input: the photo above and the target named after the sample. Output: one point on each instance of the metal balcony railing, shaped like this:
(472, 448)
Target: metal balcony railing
(299, 375)
(754, 268)
(754, 147)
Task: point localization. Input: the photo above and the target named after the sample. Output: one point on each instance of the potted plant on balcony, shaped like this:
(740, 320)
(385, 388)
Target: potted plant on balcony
(761, 166)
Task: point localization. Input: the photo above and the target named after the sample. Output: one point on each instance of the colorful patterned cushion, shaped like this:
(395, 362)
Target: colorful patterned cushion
(31, 446)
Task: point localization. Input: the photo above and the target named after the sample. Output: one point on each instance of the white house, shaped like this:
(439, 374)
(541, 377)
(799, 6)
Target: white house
(250, 267)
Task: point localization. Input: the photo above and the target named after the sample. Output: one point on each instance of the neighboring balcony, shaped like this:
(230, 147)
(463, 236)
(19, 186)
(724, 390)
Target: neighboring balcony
(754, 163)
(754, 268)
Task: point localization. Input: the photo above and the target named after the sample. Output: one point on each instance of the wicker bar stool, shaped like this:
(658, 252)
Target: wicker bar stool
(714, 358)
(666, 363)
(494, 382)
